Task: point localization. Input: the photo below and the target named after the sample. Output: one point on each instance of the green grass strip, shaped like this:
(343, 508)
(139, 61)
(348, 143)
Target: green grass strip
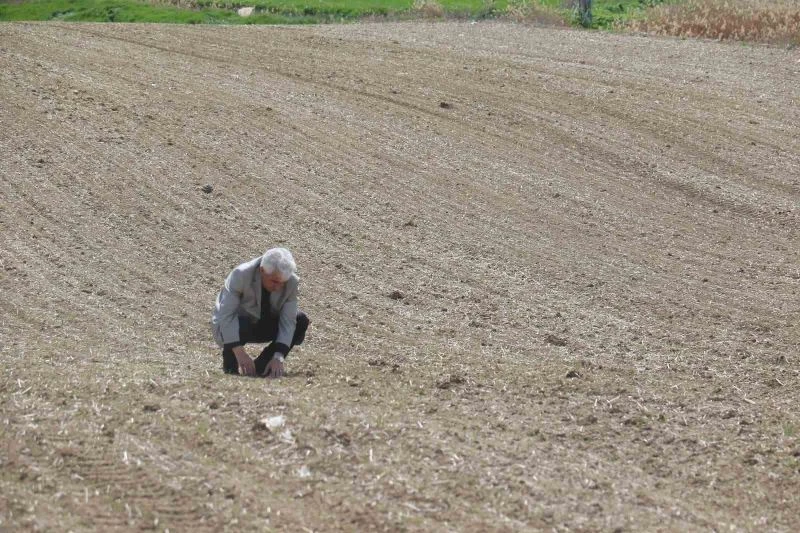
(134, 11)
(605, 12)
(216, 12)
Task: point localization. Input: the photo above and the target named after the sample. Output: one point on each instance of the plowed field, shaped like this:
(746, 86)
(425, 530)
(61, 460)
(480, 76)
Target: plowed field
(553, 278)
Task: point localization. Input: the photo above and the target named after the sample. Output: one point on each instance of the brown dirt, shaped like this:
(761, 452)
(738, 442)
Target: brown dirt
(596, 243)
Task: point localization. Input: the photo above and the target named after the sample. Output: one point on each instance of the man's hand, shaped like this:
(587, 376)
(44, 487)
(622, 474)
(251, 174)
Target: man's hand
(246, 365)
(274, 367)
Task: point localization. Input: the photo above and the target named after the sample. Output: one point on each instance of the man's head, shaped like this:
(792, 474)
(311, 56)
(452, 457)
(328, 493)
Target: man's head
(277, 266)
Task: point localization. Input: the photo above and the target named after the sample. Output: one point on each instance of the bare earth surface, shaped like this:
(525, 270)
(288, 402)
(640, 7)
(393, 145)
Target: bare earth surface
(593, 239)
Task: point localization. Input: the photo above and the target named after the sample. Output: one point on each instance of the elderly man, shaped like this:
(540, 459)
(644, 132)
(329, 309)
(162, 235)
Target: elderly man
(258, 303)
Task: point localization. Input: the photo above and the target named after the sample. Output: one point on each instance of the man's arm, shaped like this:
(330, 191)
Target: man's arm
(287, 323)
(226, 310)
(226, 314)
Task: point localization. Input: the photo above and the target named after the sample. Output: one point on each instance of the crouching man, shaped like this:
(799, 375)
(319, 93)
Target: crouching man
(258, 303)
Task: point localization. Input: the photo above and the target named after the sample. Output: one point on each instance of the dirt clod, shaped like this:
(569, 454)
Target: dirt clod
(68, 451)
(555, 340)
(447, 381)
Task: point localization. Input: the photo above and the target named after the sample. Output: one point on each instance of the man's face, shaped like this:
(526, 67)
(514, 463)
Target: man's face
(272, 282)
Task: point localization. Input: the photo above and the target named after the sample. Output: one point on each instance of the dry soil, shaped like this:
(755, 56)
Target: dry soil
(554, 279)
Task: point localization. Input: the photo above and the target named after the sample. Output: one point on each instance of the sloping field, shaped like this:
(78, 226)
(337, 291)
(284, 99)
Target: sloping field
(554, 279)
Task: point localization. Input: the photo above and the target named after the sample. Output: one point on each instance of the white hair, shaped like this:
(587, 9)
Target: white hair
(279, 260)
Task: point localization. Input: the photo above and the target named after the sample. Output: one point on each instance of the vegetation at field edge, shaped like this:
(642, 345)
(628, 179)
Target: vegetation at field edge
(605, 13)
(558, 12)
(773, 21)
(139, 11)
(770, 21)
(215, 12)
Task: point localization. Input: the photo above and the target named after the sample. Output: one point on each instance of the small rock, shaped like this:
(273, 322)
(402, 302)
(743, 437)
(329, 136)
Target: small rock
(151, 407)
(274, 422)
(396, 295)
(245, 11)
(445, 105)
(287, 437)
(208, 188)
(572, 374)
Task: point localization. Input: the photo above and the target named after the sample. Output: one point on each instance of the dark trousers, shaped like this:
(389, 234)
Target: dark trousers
(264, 330)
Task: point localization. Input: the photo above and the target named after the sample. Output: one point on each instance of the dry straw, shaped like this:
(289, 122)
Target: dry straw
(534, 13)
(769, 21)
(428, 8)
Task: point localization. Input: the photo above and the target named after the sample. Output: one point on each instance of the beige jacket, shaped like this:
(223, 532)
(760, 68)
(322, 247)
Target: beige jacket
(241, 296)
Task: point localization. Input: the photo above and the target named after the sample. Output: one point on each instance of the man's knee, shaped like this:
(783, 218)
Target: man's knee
(229, 363)
(301, 327)
(302, 321)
